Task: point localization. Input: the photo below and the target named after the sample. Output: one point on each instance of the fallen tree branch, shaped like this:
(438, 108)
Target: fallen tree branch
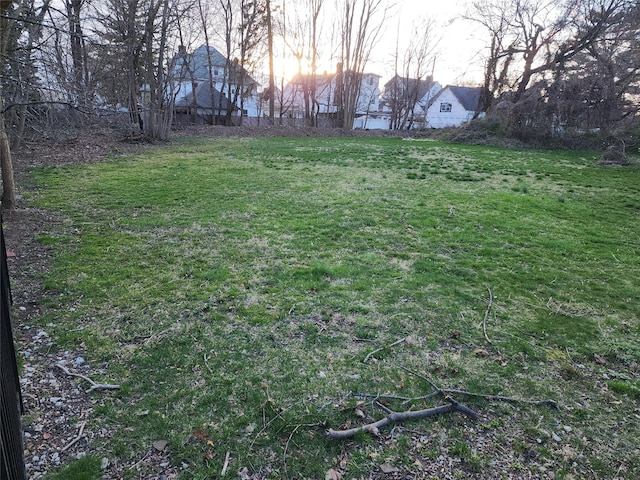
(225, 466)
(486, 315)
(94, 385)
(500, 398)
(370, 354)
(77, 439)
(396, 417)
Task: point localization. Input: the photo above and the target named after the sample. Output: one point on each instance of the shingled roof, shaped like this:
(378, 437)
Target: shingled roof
(422, 86)
(469, 97)
(204, 99)
(196, 65)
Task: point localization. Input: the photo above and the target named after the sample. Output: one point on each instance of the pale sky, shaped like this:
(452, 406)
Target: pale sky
(461, 43)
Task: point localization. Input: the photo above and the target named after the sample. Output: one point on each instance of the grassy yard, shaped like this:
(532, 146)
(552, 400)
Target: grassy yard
(234, 288)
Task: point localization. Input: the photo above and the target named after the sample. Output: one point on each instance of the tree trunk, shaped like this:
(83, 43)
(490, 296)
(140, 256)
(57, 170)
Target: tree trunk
(6, 164)
(272, 82)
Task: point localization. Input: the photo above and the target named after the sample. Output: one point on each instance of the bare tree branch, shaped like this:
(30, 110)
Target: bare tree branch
(397, 417)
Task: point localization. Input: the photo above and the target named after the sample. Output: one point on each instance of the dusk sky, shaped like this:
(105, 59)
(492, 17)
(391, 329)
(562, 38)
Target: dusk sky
(459, 49)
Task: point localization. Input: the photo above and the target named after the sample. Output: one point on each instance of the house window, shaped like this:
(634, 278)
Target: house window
(370, 80)
(445, 107)
(215, 71)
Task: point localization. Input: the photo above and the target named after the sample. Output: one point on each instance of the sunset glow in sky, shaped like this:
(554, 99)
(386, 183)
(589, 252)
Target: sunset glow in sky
(460, 42)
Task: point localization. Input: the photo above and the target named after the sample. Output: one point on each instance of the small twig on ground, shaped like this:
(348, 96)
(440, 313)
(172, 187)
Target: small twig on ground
(396, 417)
(369, 355)
(500, 398)
(226, 464)
(206, 363)
(384, 408)
(422, 377)
(379, 396)
(144, 457)
(94, 385)
(486, 315)
(286, 447)
(268, 424)
(77, 439)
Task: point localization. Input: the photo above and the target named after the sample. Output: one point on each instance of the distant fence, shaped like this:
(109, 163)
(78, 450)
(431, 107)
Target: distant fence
(12, 465)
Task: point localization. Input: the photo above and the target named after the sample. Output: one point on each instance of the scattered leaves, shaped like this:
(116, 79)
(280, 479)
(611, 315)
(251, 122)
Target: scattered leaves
(332, 475)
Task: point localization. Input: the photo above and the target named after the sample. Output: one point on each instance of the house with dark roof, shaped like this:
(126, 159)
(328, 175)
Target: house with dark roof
(452, 106)
(208, 85)
(206, 107)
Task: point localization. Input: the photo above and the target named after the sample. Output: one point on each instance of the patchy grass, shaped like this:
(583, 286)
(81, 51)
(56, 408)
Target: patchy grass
(234, 287)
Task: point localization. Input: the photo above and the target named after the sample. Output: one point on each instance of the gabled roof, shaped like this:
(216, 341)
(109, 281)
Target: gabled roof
(469, 97)
(423, 86)
(198, 63)
(204, 99)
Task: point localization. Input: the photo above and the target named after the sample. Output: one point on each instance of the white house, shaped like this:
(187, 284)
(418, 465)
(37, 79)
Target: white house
(402, 105)
(452, 106)
(300, 96)
(227, 80)
(404, 101)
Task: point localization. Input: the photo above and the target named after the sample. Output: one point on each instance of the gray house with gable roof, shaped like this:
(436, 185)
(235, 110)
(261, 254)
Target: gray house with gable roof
(209, 87)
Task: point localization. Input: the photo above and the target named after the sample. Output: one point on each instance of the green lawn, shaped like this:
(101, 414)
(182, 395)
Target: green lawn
(235, 286)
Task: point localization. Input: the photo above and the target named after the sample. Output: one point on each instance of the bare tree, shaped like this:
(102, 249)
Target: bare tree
(598, 87)
(272, 80)
(23, 90)
(121, 55)
(412, 83)
(303, 41)
(531, 38)
(252, 31)
(77, 41)
(495, 17)
(6, 164)
(136, 38)
(360, 28)
(158, 66)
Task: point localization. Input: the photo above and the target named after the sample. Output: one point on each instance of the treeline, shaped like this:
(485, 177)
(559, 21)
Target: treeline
(561, 69)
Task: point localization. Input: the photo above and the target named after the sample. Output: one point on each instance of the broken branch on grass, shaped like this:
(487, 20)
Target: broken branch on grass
(77, 439)
(371, 354)
(225, 466)
(94, 385)
(206, 363)
(486, 315)
(500, 398)
(397, 417)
